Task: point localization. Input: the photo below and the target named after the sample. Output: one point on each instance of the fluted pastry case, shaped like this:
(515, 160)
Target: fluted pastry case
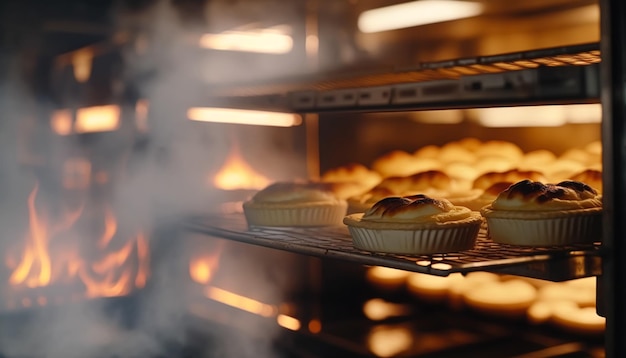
(142, 128)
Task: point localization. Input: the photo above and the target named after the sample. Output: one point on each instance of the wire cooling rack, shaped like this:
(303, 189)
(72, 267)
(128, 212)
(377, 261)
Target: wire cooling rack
(550, 263)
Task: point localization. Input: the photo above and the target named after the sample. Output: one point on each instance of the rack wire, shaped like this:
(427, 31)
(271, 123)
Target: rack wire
(577, 55)
(549, 263)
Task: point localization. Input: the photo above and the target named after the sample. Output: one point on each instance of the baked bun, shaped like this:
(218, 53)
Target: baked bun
(463, 175)
(427, 151)
(431, 179)
(531, 213)
(470, 143)
(488, 195)
(433, 182)
(592, 177)
(562, 169)
(454, 152)
(511, 176)
(537, 160)
(295, 204)
(500, 148)
(353, 172)
(415, 224)
(510, 298)
(396, 163)
(360, 203)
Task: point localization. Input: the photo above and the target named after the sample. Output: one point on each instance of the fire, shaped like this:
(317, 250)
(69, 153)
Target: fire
(104, 266)
(237, 174)
(202, 269)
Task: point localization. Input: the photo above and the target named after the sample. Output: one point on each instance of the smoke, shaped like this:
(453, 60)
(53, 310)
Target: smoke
(164, 180)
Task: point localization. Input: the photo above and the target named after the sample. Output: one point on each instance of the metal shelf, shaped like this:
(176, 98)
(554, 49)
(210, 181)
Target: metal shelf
(548, 76)
(549, 263)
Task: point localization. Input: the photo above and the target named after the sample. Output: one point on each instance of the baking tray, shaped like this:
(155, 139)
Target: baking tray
(548, 263)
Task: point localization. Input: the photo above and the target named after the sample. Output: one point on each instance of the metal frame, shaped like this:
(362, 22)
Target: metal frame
(612, 283)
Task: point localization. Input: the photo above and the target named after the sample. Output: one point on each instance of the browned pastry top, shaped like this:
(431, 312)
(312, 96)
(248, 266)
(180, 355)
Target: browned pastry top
(530, 195)
(415, 208)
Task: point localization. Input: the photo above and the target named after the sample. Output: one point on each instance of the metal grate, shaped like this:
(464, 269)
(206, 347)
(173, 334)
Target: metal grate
(585, 54)
(551, 263)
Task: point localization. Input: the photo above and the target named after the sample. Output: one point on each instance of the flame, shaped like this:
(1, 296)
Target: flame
(35, 267)
(237, 174)
(115, 272)
(202, 268)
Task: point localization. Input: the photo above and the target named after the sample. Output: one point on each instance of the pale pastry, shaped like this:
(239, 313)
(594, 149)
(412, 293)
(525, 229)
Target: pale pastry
(295, 204)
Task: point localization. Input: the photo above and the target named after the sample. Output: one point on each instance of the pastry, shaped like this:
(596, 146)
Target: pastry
(295, 204)
(433, 183)
(500, 148)
(512, 176)
(531, 213)
(353, 173)
(477, 196)
(592, 177)
(510, 298)
(415, 224)
(396, 163)
(487, 196)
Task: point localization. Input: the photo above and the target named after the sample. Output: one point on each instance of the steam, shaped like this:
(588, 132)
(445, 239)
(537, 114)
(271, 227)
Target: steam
(164, 181)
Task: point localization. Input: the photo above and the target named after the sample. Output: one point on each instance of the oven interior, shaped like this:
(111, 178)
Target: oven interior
(121, 218)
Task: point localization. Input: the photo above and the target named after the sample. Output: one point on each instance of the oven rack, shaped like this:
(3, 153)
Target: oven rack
(558, 75)
(548, 263)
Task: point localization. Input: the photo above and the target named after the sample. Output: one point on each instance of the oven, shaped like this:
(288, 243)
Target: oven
(135, 130)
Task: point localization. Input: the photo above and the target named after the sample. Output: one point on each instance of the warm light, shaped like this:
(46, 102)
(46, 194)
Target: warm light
(81, 62)
(386, 277)
(288, 322)
(315, 326)
(202, 270)
(311, 45)
(97, 119)
(583, 113)
(141, 115)
(242, 116)
(378, 309)
(237, 174)
(389, 341)
(537, 116)
(241, 302)
(415, 13)
(259, 41)
(61, 122)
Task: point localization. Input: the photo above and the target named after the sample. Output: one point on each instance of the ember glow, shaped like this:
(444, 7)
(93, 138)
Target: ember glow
(97, 119)
(54, 254)
(61, 121)
(203, 268)
(237, 174)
